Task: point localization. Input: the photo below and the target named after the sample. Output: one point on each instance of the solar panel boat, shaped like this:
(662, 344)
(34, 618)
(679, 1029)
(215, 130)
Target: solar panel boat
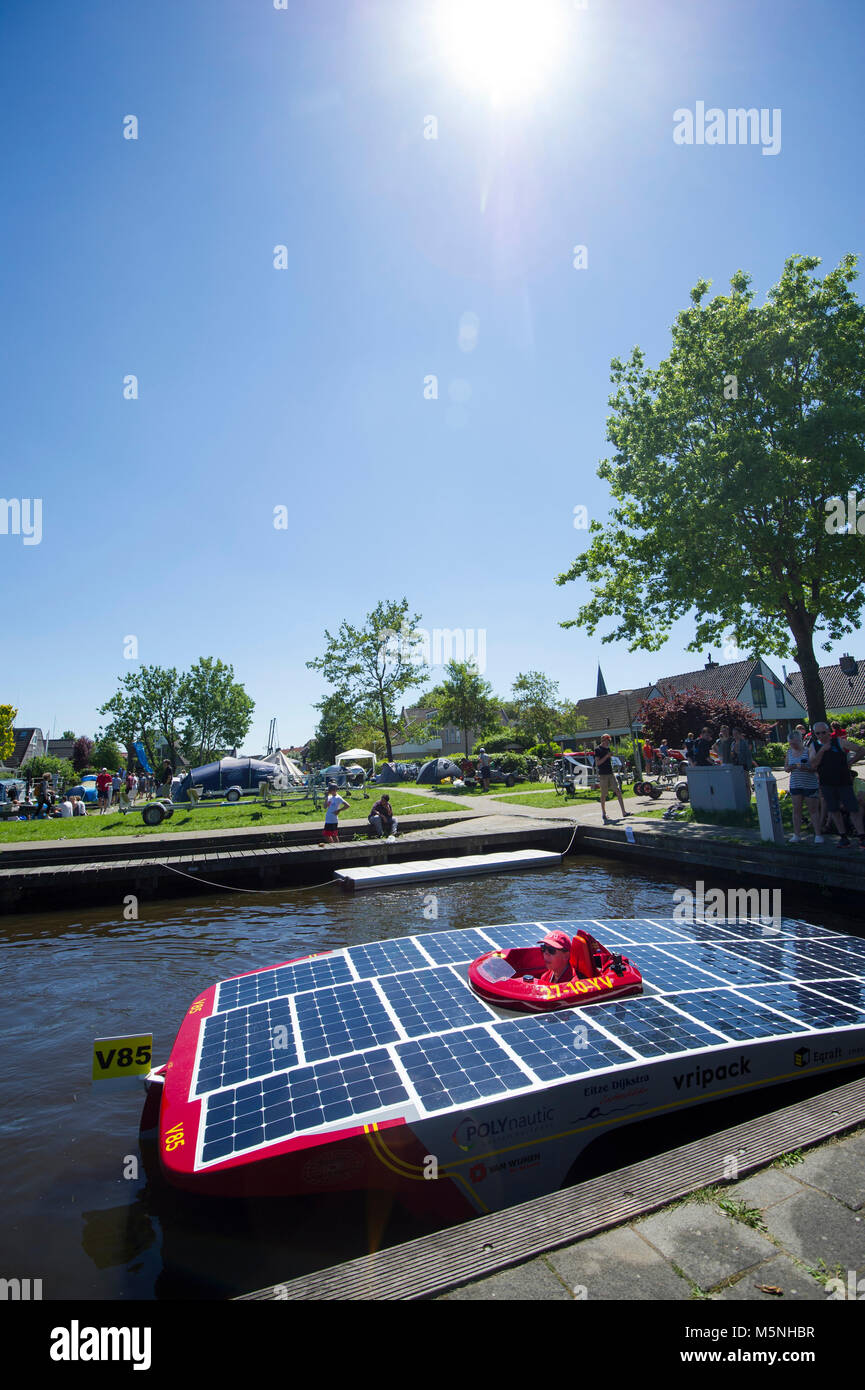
(377, 1066)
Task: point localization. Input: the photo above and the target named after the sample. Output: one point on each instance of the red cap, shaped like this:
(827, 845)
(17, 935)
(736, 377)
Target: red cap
(559, 939)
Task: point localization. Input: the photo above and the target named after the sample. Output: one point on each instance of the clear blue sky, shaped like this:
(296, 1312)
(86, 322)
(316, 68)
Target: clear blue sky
(304, 386)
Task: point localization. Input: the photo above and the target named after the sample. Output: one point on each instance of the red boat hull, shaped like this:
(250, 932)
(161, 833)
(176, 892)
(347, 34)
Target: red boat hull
(510, 979)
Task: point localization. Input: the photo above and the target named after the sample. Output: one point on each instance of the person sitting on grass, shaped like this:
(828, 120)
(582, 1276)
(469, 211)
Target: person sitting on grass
(334, 803)
(606, 780)
(381, 818)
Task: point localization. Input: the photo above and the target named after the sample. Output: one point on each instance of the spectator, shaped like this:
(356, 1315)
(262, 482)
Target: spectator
(484, 769)
(689, 748)
(103, 789)
(804, 786)
(116, 784)
(166, 777)
(334, 803)
(381, 818)
(740, 755)
(703, 749)
(723, 744)
(131, 787)
(606, 778)
(66, 808)
(830, 759)
(78, 807)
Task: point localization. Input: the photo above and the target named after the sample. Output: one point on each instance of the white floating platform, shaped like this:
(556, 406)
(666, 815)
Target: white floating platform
(459, 866)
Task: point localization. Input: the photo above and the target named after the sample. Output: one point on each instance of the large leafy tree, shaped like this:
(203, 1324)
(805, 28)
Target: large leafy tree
(464, 699)
(217, 710)
(7, 738)
(82, 752)
(725, 457)
(372, 666)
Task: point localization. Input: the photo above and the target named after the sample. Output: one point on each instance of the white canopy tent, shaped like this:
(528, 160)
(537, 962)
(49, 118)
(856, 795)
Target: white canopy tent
(351, 755)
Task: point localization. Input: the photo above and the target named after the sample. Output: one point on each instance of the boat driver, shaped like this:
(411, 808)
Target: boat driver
(556, 947)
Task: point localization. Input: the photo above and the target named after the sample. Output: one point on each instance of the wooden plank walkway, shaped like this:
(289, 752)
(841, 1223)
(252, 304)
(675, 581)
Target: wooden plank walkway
(461, 1254)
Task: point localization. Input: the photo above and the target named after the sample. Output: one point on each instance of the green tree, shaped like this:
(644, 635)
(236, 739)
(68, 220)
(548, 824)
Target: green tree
(334, 729)
(68, 733)
(465, 699)
(726, 456)
(216, 708)
(150, 701)
(61, 770)
(370, 667)
(536, 698)
(7, 738)
(106, 753)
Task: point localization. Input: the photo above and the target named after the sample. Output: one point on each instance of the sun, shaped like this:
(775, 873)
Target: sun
(506, 49)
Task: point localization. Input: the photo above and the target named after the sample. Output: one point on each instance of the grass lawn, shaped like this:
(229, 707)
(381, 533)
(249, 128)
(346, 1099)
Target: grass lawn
(550, 798)
(242, 815)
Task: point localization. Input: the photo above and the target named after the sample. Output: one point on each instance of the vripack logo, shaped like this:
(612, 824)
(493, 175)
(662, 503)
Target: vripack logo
(470, 1131)
(702, 1077)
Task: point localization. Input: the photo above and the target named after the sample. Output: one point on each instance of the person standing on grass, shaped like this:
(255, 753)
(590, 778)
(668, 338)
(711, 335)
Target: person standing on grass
(724, 744)
(606, 779)
(103, 790)
(804, 786)
(740, 754)
(333, 805)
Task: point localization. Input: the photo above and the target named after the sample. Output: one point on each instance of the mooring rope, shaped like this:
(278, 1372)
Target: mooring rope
(232, 888)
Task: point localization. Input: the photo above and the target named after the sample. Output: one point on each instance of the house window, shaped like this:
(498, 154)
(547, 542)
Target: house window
(780, 699)
(758, 691)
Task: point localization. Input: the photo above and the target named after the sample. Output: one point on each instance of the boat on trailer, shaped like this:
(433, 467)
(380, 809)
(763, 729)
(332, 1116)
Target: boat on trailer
(379, 1066)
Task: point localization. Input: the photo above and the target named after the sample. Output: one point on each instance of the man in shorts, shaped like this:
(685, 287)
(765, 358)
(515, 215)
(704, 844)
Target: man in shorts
(103, 790)
(334, 803)
(831, 756)
(606, 780)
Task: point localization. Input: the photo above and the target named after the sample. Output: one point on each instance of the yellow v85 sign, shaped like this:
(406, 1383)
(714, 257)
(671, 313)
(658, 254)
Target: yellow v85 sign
(119, 1057)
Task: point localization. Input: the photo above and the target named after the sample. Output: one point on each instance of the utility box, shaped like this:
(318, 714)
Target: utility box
(718, 788)
(768, 805)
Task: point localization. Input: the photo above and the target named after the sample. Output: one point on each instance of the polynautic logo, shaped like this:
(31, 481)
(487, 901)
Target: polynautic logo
(736, 126)
(21, 516)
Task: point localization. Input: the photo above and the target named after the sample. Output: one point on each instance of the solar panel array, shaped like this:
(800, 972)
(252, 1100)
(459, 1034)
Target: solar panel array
(393, 1029)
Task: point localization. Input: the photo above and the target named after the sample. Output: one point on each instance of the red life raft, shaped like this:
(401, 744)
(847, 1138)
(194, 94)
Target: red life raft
(510, 978)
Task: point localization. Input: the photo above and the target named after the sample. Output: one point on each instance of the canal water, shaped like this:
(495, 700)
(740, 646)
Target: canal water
(84, 1210)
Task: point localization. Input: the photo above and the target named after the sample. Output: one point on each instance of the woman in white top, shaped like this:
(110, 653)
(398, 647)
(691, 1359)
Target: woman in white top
(804, 785)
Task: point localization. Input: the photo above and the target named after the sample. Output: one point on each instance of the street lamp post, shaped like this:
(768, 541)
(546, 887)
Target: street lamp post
(638, 762)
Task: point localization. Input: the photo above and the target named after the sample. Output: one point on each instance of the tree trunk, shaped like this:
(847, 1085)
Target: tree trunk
(815, 698)
(385, 728)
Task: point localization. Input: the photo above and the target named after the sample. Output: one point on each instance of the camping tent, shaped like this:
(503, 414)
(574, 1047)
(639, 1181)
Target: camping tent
(227, 773)
(388, 774)
(437, 769)
(288, 773)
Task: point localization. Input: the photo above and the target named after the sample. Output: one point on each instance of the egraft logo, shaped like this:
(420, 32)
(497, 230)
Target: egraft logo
(805, 1056)
(704, 1076)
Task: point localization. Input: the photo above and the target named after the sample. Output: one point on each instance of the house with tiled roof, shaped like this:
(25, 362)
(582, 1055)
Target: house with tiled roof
(29, 743)
(843, 693)
(752, 682)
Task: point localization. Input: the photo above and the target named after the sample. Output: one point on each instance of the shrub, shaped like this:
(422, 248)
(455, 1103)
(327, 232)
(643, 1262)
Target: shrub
(771, 755)
(544, 752)
(500, 743)
(63, 773)
(517, 763)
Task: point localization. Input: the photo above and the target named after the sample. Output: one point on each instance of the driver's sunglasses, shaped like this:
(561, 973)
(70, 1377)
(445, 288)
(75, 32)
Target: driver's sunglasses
(551, 950)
